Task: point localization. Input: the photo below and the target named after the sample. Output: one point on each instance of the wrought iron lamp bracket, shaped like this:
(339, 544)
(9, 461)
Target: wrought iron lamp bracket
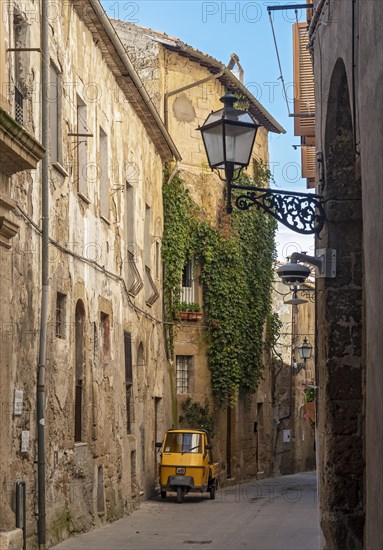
(301, 212)
(297, 367)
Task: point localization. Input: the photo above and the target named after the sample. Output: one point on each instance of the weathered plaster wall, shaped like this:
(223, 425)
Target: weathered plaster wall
(106, 474)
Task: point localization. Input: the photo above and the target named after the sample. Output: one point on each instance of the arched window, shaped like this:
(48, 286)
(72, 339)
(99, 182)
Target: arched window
(79, 370)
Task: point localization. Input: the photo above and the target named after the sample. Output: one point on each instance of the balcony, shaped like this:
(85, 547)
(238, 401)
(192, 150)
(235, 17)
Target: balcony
(8, 228)
(19, 150)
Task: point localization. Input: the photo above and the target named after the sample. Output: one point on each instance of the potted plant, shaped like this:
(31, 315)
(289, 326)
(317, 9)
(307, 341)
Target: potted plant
(190, 311)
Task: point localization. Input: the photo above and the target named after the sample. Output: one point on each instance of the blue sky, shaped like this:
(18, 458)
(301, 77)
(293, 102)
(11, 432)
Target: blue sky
(241, 27)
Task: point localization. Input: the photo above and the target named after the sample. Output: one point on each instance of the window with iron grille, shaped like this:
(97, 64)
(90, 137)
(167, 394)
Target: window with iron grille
(183, 371)
(21, 65)
(187, 283)
(19, 106)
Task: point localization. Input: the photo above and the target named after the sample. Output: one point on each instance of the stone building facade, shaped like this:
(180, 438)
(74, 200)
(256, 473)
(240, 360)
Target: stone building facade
(294, 437)
(186, 85)
(106, 364)
(346, 40)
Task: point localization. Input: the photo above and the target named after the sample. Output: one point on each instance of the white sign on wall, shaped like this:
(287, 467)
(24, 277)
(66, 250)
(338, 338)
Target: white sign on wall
(25, 442)
(18, 402)
(286, 436)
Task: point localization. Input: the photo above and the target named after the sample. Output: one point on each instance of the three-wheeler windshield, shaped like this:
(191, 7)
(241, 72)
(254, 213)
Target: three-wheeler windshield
(183, 443)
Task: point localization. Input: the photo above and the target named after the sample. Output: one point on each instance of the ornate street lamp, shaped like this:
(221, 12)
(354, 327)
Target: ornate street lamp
(304, 351)
(228, 136)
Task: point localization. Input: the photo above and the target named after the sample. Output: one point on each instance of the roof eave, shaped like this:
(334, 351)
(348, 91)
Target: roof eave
(126, 75)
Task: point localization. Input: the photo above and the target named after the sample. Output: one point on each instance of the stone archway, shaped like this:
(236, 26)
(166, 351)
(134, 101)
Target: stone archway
(340, 333)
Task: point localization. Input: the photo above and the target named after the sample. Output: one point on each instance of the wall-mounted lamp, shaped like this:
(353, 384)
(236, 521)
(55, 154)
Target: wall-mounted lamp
(294, 273)
(295, 301)
(228, 136)
(304, 293)
(304, 351)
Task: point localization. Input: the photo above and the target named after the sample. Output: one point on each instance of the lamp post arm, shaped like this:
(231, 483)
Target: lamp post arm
(324, 260)
(301, 212)
(312, 260)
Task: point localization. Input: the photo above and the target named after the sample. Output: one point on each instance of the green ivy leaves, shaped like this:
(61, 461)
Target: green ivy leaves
(236, 262)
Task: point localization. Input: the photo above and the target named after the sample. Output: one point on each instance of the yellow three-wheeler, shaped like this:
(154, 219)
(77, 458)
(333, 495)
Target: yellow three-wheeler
(187, 464)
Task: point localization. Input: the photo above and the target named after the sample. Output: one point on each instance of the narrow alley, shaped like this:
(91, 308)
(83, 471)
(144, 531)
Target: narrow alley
(270, 514)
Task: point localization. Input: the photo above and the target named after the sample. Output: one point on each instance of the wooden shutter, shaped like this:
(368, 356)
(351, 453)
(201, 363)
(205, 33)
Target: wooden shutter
(308, 161)
(128, 358)
(304, 101)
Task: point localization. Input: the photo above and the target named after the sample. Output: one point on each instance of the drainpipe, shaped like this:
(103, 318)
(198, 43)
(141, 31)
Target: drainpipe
(44, 277)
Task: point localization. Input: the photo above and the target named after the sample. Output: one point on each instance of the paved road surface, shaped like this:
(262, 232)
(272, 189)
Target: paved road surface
(272, 514)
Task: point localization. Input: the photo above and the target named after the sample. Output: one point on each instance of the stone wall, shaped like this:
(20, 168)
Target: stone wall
(342, 328)
(94, 260)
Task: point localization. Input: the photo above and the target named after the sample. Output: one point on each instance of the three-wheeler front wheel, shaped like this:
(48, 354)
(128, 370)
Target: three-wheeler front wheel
(180, 494)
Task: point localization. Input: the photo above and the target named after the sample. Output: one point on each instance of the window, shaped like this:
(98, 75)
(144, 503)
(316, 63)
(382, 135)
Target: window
(158, 259)
(104, 177)
(105, 336)
(54, 100)
(79, 370)
(100, 491)
(60, 315)
(183, 443)
(128, 380)
(129, 224)
(21, 65)
(82, 147)
(147, 243)
(187, 284)
(183, 372)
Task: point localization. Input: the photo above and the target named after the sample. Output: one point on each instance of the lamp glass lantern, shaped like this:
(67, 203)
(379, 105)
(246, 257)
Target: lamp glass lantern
(305, 350)
(228, 136)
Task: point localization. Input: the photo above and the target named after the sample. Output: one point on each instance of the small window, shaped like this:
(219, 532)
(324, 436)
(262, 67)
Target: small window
(104, 178)
(147, 237)
(21, 64)
(60, 315)
(158, 259)
(54, 100)
(187, 283)
(105, 335)
(183, 372)
(82, 147)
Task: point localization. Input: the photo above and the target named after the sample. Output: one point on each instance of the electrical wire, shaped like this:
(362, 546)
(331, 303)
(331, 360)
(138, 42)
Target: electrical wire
(101, 268)
(279, 64)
